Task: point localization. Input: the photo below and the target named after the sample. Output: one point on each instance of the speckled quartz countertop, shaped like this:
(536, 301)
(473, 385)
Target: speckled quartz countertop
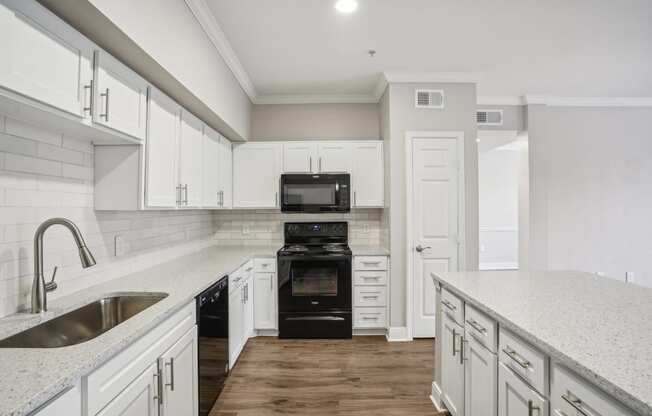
(30, 377)
(369, 250)
(598, 327)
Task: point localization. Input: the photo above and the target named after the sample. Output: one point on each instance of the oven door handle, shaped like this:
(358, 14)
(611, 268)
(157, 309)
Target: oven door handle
(315, 318)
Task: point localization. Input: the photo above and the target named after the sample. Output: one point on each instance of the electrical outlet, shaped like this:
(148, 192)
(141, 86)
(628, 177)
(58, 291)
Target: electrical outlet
(121, 247)
(630, 277)
(365, 228)
(246, 230)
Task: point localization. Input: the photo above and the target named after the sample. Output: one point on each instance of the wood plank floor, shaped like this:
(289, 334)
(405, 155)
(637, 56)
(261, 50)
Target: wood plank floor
(360, 377)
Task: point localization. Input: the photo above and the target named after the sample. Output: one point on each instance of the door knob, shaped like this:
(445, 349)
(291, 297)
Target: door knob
(420, 248)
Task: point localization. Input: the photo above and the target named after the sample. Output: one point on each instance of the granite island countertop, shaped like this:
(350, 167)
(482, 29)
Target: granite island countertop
(598, 327)
(32, 376)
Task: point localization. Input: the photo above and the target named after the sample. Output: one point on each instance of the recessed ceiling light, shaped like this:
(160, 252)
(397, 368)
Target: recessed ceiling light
(346, 6)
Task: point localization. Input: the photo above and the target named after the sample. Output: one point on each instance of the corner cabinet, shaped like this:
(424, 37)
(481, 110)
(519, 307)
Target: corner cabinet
(256, 174)
(217, 170)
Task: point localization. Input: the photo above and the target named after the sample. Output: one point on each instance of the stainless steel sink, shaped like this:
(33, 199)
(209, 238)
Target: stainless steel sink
(83, 324)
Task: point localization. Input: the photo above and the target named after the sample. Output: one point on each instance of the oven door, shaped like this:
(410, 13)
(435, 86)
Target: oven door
(314, 284)
(315, 193)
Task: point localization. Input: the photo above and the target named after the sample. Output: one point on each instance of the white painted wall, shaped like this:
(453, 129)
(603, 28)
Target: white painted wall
(591, 190)
(44, 174)
(499, 171)
(169, 32)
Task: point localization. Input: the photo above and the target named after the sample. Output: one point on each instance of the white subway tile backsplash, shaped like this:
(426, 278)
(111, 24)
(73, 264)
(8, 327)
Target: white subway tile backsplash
(17, 145)
(77, 172)
(27, 164)
(79, 145)
(27, 131)
(47, 151)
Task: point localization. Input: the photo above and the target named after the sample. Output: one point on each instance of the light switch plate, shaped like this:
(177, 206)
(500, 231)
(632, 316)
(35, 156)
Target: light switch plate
(121, 247)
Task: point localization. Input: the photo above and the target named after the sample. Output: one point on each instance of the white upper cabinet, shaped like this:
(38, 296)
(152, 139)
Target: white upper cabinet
(191, 161)
(256, 172)
(334, 157)
(226, 173)
(299, 157)
(161, 152)
(367, 175)
(43, 58)
(212, 191)
(120, 97)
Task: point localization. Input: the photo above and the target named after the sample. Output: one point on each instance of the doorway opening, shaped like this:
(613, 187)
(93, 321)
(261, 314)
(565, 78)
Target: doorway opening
(503, 199)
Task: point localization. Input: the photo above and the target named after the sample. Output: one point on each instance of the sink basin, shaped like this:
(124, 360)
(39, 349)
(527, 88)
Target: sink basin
(83, 324)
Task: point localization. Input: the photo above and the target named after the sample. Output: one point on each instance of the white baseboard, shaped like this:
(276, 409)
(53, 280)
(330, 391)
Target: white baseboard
(369, 331)
(435, 397)
(398, 334)
(266, 333)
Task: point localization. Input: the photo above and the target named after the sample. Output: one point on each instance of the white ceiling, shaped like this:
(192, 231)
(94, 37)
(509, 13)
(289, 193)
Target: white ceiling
(568, 48)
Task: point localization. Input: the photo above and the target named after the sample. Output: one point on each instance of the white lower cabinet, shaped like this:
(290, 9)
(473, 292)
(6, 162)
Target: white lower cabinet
(370, 292)
(480, 375)
(265, 310)
(452, 366)
(517, 398)
(179, 371)
(241, 310)
(68, 403)
(156, 375)
(140, 398)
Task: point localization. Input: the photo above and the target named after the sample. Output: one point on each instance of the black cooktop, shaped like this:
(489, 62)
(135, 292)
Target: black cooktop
(315, 249)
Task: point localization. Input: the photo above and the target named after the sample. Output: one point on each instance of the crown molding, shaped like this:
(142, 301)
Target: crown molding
(316, 99)
(211, 27)
(553, 101)
(501, 100)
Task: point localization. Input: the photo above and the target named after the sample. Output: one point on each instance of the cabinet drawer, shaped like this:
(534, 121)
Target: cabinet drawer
(570, 395)
(370, 263)
(452, 306)
(370, 296)
(236, 279)
(525, 360)
(265, 265)
(106, 382)
(370, 278)
(481, 327)
(370, 318)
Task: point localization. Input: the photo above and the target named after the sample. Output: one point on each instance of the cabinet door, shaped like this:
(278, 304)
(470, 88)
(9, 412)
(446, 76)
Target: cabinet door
(367, 174)
(334, 157)
(480, 379)
(299, 157)
(191, 160)
(161, 150)
(120, 97)
(43, 58)
(211, 171)
(265, 301)
(140, 398)
(515, 398)
(256, 173)
(68, 403)
(179, 372)
(236, 328)
(452, 369)
(226, 173)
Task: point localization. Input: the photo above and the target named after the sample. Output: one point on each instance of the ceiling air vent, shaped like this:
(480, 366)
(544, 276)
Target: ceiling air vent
(429, 99)
(489, 117)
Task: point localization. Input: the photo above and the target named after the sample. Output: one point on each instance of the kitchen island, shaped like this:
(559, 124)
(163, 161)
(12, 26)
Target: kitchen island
(579, 342)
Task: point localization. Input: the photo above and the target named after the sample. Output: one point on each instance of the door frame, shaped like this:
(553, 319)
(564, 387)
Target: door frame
(461, 213)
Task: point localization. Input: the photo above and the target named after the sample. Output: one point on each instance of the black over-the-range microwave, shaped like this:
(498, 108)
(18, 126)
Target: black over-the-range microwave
(308, 192)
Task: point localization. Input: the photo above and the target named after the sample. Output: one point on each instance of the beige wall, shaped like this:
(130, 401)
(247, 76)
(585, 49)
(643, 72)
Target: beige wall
(591, 190)
(314, 121)
(458, 115)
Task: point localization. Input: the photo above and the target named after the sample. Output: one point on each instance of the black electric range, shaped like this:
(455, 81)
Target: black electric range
(314, 281)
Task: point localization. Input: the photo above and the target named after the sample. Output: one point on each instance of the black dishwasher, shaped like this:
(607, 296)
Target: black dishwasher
(213, 352)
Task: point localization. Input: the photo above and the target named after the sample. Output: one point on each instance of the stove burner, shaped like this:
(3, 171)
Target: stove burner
(296, 249)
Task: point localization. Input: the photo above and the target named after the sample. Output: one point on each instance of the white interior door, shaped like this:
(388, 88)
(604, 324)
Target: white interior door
(434, 245)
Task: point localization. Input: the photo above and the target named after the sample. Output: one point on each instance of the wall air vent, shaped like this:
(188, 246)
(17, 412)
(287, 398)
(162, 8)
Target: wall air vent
(489, 117)
(429, 99)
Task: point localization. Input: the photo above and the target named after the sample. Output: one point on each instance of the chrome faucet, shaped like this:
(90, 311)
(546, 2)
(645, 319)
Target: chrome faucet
(39, 287)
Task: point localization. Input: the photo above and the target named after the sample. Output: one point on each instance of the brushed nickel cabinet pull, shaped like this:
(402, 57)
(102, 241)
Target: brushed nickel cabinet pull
(90, 98)
(576, 404)
(517, 358)
(320, 163)
(454, 336)
(448, 305)
(476, 325)
(171, 383)
(310, 169)
(462, 358)
(185, 193)
(531, 408)
(159, 385)
(106, 105)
